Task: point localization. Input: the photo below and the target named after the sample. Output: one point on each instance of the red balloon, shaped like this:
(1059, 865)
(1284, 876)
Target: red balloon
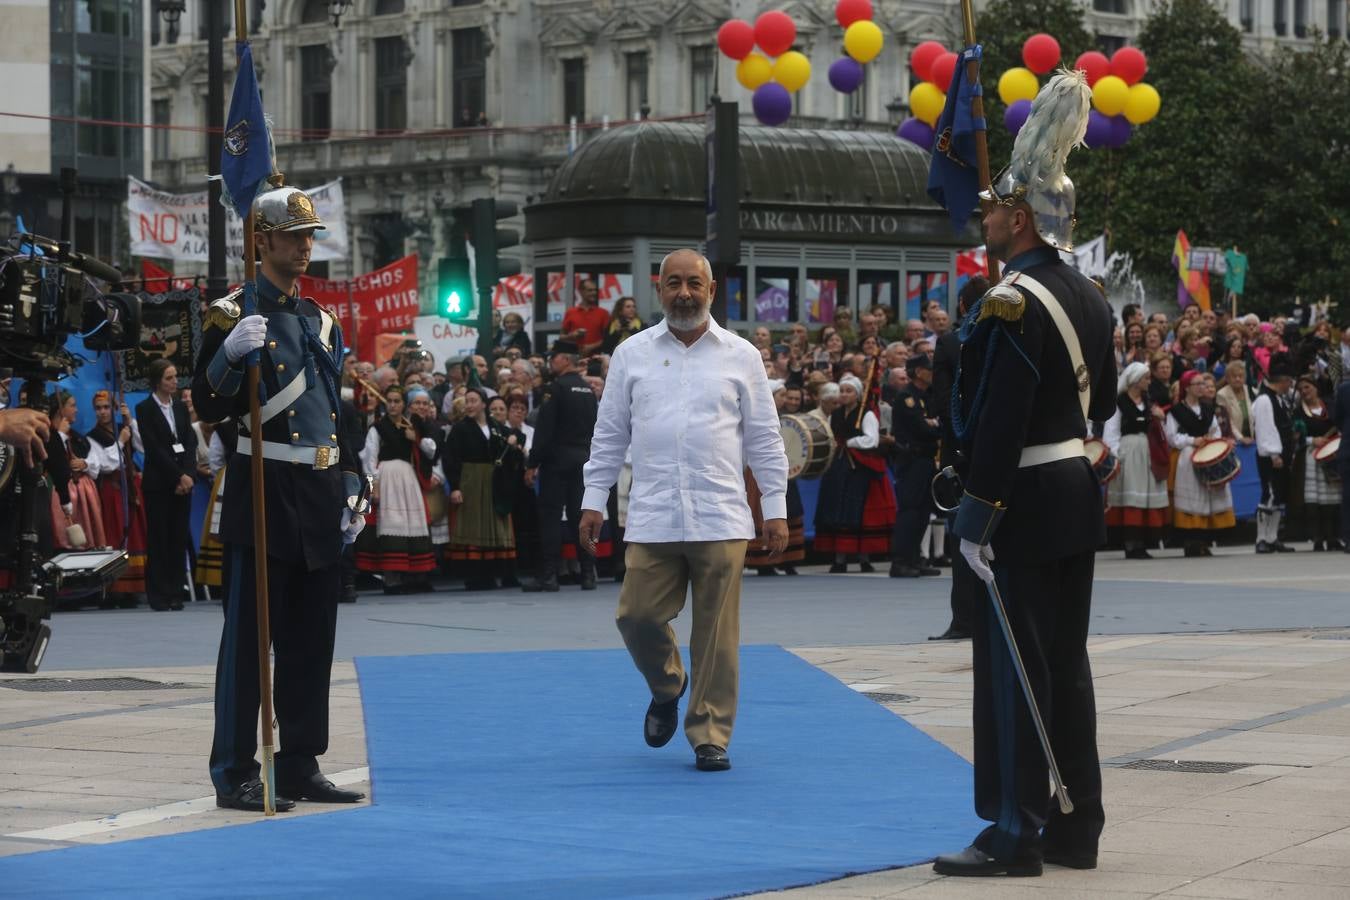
(922, 57)
(774, 32)
(850, 11)
(736, 38)
(1095, 64)
(1040, 53)
(1129, 64)
(942, 70)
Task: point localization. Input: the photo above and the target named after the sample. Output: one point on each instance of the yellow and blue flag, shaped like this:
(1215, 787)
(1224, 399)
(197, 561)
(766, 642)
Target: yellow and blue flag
(246, 154)
(953, 175)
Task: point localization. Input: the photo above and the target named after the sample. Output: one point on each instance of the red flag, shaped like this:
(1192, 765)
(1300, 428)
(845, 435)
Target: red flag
(156, 279)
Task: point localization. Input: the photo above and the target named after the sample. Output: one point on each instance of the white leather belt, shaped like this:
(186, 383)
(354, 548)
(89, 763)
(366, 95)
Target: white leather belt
(318, 457)
(1040, 454)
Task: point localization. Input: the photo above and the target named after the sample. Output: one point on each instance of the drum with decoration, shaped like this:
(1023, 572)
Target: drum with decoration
(1104, 462)
(808, 443)
(1326, 458)
(1216, 463)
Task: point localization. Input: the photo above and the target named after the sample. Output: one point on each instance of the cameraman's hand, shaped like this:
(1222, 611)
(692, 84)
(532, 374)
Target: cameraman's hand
(27, 430)
(247, 335)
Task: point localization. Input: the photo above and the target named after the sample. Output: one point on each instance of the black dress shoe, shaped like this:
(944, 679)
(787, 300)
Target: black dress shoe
(1138, 553)
(765, 570)
(588, 580)
(900, 570)
(838, 568)
(929, 571)
(319, 789)
(789, 570)
(865, 566)
(249, 797)
(1281, 547)
(942, 562)
(663, 719)
(973, 861)
(1264, 547)
(952, 634)
(1070, 860)
(711, 758)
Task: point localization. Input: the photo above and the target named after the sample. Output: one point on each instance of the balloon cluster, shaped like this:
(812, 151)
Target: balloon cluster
(1120, 97)
(862, 43)
(776, 73)
(935, 66)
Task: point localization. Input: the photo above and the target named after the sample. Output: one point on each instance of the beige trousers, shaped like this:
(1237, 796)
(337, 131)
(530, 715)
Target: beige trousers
(654, 590)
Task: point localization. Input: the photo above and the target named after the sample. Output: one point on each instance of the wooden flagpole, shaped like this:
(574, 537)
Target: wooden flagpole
(981, 144)
(269, 774)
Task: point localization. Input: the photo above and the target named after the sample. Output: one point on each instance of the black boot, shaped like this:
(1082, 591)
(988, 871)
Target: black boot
(547, 581)
(587, 572)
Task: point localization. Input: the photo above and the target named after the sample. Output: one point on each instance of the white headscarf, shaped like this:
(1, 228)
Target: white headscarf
(1134, 373)
(852, 380)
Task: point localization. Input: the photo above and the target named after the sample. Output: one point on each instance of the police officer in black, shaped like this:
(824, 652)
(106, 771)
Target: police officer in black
(562, 444)
(1036, 367)
(310, 476)
(917, 433)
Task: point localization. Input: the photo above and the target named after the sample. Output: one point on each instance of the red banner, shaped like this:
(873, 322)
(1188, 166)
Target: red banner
(383, 301)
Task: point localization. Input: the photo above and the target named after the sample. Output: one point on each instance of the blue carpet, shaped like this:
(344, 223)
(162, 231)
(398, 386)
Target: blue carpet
(524, 775)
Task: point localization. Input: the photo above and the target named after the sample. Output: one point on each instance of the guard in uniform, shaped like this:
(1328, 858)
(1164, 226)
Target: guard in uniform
(1036, 366)
(310, 476)
(917, 434)
(562, 444)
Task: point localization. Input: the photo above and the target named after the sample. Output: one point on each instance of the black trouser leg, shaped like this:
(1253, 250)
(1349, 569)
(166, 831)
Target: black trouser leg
(574, 487)
(551, 502)
(912, 479)
(304, 626)
(1345, 499)
(1049, 606)
(166, 525)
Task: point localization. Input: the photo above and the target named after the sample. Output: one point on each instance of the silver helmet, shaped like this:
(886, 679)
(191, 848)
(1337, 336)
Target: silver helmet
(1056, 124)
(284, 209)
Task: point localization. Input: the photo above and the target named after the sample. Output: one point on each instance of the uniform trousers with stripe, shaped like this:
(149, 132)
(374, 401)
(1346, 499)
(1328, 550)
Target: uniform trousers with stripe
(1049, 607)
(655, 587)
(303, 620)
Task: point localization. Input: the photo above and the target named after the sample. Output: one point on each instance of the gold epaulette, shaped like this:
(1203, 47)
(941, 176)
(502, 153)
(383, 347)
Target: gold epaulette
(223, 313)
(1002, 301)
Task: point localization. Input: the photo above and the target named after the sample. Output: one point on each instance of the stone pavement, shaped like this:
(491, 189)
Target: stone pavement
(1227, 764)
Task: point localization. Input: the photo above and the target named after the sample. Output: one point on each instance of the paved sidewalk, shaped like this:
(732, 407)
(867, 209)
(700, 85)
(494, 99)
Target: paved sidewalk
(1271, 711)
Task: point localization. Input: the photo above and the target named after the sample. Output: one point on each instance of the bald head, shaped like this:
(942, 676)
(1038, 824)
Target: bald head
(687, 288)
(686, 255)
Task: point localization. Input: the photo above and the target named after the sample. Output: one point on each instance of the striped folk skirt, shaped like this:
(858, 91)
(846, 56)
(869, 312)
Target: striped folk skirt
(398, 539)
(756, 554)
(86, 511)
(476, 531)
(129, 532)
(856, 509)
(1136, 502)
(210, 551)
(1195, 505)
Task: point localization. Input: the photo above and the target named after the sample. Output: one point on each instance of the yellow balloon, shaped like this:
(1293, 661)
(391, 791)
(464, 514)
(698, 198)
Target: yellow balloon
(926, 101)
(753, 71)
(863, 40)
(1143, 103)
(1110, 95)
(792, 70)
(1017, 84)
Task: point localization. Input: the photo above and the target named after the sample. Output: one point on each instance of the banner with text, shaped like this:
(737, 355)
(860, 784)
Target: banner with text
(173, 226)
(385, 300)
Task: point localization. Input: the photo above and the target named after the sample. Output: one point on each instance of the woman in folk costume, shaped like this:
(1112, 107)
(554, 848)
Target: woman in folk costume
(1199, 510)
(480, 537)
(224, 438)
(856, 511)
(401, 551)
(1136, 499)
(430, 468)
(86, 509)
(123, 512)
(1320, 495)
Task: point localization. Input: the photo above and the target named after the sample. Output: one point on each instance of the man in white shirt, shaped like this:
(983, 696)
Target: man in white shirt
(693, 402)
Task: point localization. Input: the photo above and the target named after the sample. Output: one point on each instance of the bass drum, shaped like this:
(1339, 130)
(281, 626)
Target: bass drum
(809, 445)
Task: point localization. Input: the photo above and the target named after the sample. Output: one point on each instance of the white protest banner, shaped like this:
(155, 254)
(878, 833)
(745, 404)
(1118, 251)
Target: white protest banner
(174, 226)
(448, 341)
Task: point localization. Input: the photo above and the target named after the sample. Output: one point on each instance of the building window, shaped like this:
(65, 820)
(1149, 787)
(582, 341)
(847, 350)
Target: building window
(635, 79)
(465, 2)
(1247, 13)
(1114, 7)
(316, 92)
(1335, 20)
(702, 63)
(159, 115)
(391, 84)
(96, 97)
(224, 13)
(857, 101)
(1281, 23)
(1109, 43)
(314, 12)
(468, 76)
(574, 89)
(1301, 18)
(388, 7)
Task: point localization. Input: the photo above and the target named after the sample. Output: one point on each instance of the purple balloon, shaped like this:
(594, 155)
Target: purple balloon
(772, 103)
(1098, 130)
(1120, 131)
(846, 74)
(916, 131)
(1015, 116)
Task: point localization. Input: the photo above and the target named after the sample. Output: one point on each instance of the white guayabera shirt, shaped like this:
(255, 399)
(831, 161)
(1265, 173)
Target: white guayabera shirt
(694, 417)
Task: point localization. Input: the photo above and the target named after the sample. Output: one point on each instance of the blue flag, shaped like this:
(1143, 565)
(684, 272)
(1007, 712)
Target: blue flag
(246, 156)
(953, 175)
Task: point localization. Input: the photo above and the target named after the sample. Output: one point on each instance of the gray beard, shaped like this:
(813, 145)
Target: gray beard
(687, 322)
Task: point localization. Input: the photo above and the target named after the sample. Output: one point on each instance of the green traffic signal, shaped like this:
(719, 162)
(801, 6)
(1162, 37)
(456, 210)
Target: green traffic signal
(454, 290)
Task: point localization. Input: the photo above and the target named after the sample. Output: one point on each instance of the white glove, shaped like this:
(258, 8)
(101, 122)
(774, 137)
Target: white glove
(352, 524)
(979, 556)
(247, 335)
(428, 447)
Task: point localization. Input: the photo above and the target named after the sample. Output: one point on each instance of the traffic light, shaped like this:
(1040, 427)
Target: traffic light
(488, 241)
(456, 299)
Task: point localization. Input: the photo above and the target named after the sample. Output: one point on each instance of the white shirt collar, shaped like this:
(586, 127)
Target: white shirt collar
(718, 333)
